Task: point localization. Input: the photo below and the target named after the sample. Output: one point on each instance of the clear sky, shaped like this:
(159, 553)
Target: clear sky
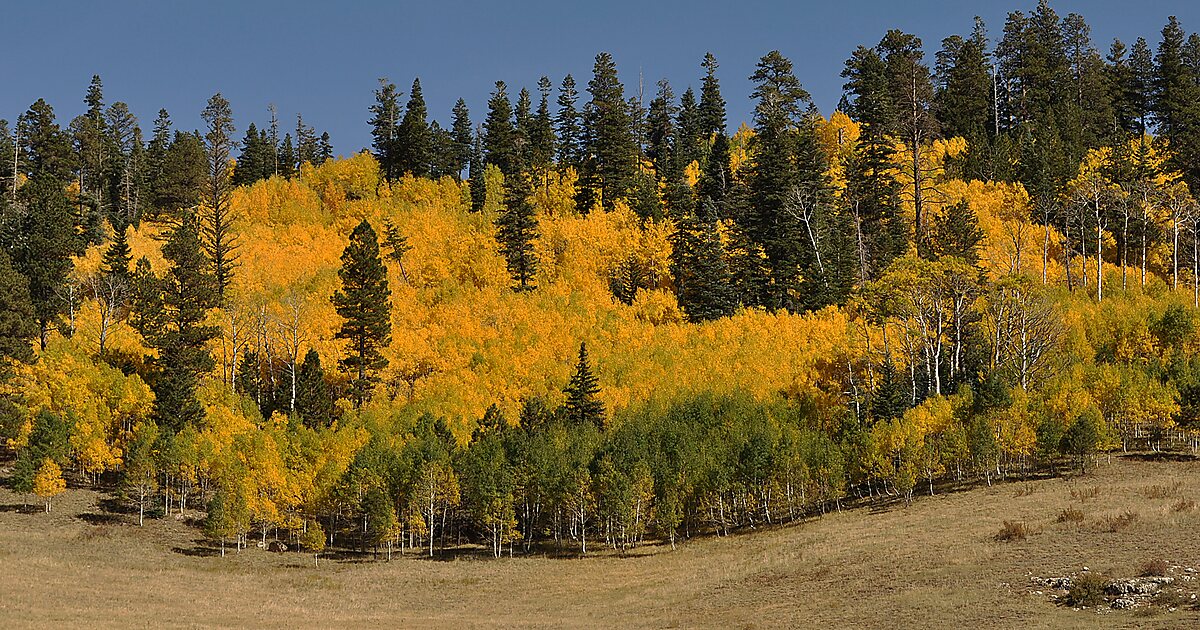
(323, 58)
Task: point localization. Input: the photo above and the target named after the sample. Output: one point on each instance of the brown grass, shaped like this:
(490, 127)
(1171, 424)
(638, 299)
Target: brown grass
(1155, 568)
(933, 564)
(1114, 523)
(1184, 505)
(1162, 491)
(1084, 494)
(1070, 515)
(1012, 531)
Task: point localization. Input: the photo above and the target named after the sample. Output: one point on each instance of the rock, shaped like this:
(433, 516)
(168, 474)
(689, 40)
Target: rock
(1123, 603)
(1137, 586)
(276, 546)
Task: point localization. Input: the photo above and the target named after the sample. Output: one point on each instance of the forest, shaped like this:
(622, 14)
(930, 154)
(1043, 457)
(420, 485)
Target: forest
(582, 321)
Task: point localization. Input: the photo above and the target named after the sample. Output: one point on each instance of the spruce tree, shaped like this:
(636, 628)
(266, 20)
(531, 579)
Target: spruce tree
(463, 137)
(690, 146)
(478, 186)
(541, 137)
(516, 229)
(217, 229)
(699, 267)
(249, 167)
(287, 157)
(566, 124)
(660, 129)
(118, 258)
(611, 162)
(183, 175)
(314, 400)
(45, 149)
(43, 241)
(385, 123)
(499, 139)
(712, 105)
(414, 143)
(583, 406)
(18, 324)
(364, 303)
(180, 334)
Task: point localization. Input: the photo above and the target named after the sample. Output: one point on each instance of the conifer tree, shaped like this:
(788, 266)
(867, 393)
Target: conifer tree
(18, 325)
(385, 123)
(660, 129)
(183, 174)
(567, 126)
(690, 146)
(217, 229)
(464, 138)
(180, 334)
(583, 405)
(541, 137)
(287, 157)
(611, 155)
(118, 258)
(364, 303)
(45, 149)
(499, 139)
(42, 240)
(414, 144)
(476, 174)
(699, 267)
(314, 400)
(712, 105)
(250, 164)
(516, 229)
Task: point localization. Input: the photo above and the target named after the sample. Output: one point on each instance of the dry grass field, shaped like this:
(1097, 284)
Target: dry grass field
(935, 563)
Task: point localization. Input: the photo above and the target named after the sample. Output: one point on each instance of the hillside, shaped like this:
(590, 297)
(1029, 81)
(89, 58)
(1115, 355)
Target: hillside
(933, 564)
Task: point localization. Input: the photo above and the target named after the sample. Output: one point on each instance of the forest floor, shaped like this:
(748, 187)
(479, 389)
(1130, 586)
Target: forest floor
(935, 563)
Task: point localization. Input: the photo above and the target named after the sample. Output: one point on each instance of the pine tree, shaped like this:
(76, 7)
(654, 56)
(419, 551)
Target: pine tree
(476, 174)
(385, 123)
(364, 302)
(183, 175)
(517, 228)
(780, 170)
(314, 400)
(566, 124)
(541, 137)
(324, 148)
(414, 146)
(699, 267)
(583, 406)
(181, 336)
(956, 233)
(42, 241)
(17, 317)
(611, 162)
(499, 139)
(249, 167)
(712, 105)
(220, 239)
(45, 149)
(91, 139)
(963, 100)
(118, 258)
(660, 129)
(1176, 94)
(463, 137)
(691, 144)
(307, 145)
(127, 180)
(287, 157)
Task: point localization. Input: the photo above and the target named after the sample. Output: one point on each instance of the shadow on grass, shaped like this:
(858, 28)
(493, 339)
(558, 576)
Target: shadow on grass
(1160, 457)
(103, 519)
(22, 509)
(201, 549)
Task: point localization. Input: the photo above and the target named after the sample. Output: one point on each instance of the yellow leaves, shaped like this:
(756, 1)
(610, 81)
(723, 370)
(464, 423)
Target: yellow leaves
(337, 182)
(739, 148)
(555, 195)
(691, 173)
(48, 482)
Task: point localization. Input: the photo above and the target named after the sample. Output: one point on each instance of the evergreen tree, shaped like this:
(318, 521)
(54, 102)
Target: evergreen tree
(660, 129)
(443, 161)
(610, 165)
(780, 170)
(183, 176)
(127, 180)
(181, 336)
(118, 258)
(500, 138)
(364, 302)
(45, 149)
(251, 164)
(1176, 98)
(956, 233)
(541, 136)
(963, 100)
(18, 319)
(476, 174)
(567, 125)
(308, 146)
(690, 146)
(324, 148)
(287, 157)
(314, 400)
(42, 240)
(385, 123)
(463, 137)
(583, 405)
(712, 105)
(1142, 71)
(414, 145)
(517, 228)
(699, 267)
(217, 230)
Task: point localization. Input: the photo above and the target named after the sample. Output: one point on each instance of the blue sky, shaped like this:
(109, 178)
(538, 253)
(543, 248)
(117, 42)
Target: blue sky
(323, 58)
